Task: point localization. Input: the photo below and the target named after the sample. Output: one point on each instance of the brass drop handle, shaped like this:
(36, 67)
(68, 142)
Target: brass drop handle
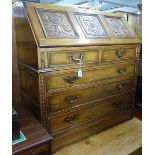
(122, 70)
(76, 57)
(118, 103)
(120, 86)
(71, 99)
(120, 53)
(71, 79)
(71, 119)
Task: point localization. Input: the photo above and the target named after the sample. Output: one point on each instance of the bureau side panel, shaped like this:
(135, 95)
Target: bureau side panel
(25, 41)
(30, 90)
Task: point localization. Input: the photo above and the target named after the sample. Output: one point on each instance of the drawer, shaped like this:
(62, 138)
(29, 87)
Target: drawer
(93, 74)
(119, 53)
(76, 97)
(67, 57)
(104, 106)
(85, 130)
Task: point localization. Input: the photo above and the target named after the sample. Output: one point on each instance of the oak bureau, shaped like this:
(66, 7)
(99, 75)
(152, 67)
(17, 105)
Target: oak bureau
(77, 68)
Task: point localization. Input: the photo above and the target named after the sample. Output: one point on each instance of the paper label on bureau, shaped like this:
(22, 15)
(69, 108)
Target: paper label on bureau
(79, 73)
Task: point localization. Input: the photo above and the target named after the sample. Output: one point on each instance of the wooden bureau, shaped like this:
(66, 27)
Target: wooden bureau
(55, 45)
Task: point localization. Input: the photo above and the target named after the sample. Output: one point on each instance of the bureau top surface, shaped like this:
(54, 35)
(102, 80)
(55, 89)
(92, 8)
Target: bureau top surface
(53, 25)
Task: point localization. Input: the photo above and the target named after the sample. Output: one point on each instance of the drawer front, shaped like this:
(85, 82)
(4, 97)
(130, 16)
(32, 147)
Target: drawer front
(89, 75)
(71, 58)
(105, 106)
(76, 97)
(86, 130)
(118, 54)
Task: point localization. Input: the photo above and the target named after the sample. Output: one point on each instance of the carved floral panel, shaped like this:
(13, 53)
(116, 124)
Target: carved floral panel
(56, 24)
(118, 27)
(91, 25)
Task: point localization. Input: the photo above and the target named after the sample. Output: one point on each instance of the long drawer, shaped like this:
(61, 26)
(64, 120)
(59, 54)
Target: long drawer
(66, 119)
(81, 96)
(91, 74)
(77, 133)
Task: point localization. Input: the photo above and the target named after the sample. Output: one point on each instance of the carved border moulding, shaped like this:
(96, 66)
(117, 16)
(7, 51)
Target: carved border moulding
(43, 101)
(42, 56)
(91, 25)
(56, 24)
(118, 27)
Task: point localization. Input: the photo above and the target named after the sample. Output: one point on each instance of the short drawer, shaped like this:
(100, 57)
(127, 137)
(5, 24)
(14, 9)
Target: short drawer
(76, 97)
(69, 78)
(88, 129)
(66, 119)
(65, 58)
(119, 53)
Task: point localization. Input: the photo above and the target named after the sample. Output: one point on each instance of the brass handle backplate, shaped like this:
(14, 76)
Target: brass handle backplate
(71, 79)
(122, 70)
(120, 53)
(72, 118)
(76, 57)
(71, 99)
(121, 86)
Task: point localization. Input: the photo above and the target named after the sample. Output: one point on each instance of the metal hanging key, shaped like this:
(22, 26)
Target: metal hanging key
(78, 61)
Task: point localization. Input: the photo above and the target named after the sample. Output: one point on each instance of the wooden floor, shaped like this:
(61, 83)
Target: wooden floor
(123, 139)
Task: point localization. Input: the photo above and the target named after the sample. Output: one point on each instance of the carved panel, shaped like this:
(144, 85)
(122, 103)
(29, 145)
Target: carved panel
(118, 27)
(56, 24)
(91, 25)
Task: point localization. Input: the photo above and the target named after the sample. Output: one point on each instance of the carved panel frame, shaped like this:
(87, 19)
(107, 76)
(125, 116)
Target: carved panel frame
(58, 26)
(128, 33)
(100, 26)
